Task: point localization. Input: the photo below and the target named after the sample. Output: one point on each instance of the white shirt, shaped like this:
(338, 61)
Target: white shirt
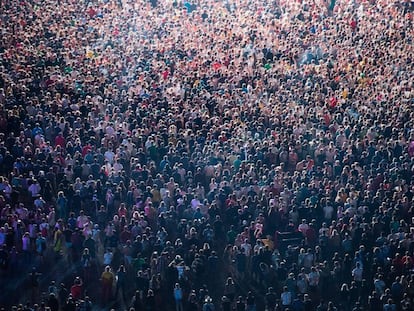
(247, 249)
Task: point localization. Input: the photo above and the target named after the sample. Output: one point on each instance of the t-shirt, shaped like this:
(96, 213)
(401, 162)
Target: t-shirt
(286, 298)
(314, 278)
(379, 286)
(82, 220)
(76, 291)
(107, 277)
(178, 293)
(303, 228)
(357, 274)
(180, 270)
(108, 258)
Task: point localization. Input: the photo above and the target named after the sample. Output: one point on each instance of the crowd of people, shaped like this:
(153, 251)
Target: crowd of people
(207, 155)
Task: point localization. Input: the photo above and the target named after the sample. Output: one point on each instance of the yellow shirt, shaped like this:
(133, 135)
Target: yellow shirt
(107, 277)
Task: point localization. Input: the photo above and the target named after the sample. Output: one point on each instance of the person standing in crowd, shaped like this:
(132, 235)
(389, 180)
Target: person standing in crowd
(107, 280)
(286, 298)
(121, 282)
(251, 302)
(178, 297)
(41, 245)
(34, 284)
(76, 291)
(208, 304)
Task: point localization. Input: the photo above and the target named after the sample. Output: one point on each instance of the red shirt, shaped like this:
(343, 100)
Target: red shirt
(353, 24)
(60, 141)
(85, 150)
(76, 291)
(333, 101)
